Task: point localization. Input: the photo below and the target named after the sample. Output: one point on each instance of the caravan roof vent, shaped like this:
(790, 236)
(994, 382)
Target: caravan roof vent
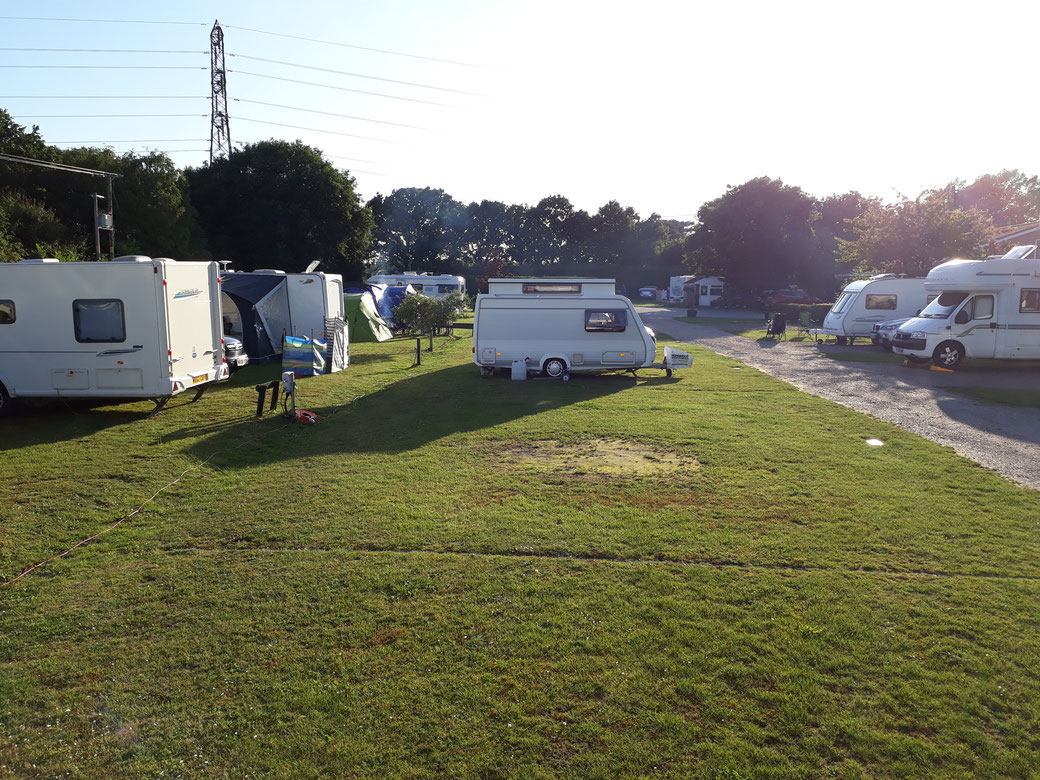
(269, 271)
(132, 259)
(166, 259)
(875, 277)
(40, 260)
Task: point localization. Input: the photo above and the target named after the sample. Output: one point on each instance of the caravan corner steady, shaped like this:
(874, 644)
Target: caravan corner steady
(561, 325)
(985, 309)
(133, 327)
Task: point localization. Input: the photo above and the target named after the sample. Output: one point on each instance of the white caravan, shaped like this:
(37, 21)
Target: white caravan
(130, 328)
(261, 307)
(432, 286)
(984, 309)
(676, 284)
(561, 325)
(865, 302)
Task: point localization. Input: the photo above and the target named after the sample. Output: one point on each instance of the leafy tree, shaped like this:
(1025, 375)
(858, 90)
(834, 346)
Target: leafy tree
(418, 230)
(276, 204)
(913, 236)
(757, 235)
(1008, 198)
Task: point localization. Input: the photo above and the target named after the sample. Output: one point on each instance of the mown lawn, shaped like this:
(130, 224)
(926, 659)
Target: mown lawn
(707, 576)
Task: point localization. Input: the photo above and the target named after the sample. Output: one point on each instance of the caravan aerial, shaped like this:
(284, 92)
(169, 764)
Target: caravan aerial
(557, 326)
(866, 302)
(984, 309)
(133, 327)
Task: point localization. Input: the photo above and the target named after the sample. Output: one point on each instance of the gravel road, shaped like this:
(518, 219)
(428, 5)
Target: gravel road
(1003, 438)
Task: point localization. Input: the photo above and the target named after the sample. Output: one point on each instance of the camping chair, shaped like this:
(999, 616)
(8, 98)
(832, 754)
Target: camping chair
(806, 326)
(777, 327)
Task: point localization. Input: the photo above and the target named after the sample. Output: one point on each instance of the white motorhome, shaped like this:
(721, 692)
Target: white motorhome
(261, 307)
(865, 302)
(130, 328)
(433, 286)
(984, 309)
(676, 284)
(561, 325)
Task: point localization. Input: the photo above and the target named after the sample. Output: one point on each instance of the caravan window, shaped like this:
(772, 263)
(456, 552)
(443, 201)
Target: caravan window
(608, 321)
(843, 301)
(6, 312)
(715, 290)
(447, 288)
(99, 320)
(1030, 301)
(552, 287)
(878, 301)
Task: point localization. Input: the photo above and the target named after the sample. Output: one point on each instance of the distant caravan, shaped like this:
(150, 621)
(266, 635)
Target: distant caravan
(867, 302)
(429, 285)
(559, 326)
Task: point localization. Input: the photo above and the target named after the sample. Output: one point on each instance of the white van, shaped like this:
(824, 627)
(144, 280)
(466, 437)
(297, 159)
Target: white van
(865, 302)
(133, 327)
(984, 309)
(432, 286)
(561, 325)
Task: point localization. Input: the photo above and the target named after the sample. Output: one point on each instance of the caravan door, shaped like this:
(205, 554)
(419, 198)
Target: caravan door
(975, 327)
(193, 321)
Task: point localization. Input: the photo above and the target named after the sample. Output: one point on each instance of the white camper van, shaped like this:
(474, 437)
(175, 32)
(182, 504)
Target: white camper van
(130, 328)
(432, 286)
(561, 325)
(984, 309)
(865, 302)
(676, 287)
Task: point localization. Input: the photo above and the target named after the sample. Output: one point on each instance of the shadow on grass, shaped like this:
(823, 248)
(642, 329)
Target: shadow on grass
(412, 413)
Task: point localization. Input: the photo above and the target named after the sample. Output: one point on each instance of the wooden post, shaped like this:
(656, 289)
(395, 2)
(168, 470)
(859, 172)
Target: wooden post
(418, 352)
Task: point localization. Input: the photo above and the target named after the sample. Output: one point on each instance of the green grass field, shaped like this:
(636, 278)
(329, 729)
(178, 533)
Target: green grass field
(710, 576)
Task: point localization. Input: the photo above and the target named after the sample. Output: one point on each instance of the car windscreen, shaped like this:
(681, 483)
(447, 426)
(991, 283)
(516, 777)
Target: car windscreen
(843, 302)
(943, 306)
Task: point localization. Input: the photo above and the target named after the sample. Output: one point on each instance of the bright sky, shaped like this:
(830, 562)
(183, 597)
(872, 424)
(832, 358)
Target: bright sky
(659, 105)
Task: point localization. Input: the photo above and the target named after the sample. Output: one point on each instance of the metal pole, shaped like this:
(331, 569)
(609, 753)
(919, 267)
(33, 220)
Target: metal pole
(112, 228)
(97, 229)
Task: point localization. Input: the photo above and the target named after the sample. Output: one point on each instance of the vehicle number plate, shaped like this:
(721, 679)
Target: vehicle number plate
(195, 380)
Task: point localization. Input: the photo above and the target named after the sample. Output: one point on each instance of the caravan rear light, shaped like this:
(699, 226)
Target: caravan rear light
(169, 353)
(474, 350)
(163, 282)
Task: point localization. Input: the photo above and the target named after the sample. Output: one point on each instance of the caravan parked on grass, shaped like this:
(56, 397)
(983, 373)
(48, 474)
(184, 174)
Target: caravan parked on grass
(865, 302)
(432, 286)
(133, 327)
(984, 309)
(557, 326)
(263, 307)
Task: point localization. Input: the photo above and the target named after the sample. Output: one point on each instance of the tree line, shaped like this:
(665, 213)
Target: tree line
(279, 204)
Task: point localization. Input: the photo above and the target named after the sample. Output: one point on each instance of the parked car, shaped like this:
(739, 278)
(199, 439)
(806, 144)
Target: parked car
(647, 292)
(234, 353)
(791, 295)
(883, 332)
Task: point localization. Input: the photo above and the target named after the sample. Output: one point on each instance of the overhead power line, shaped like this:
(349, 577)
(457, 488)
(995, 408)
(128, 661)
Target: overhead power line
(108, 51)
(352, 46)
(58, 166)
(317, 130)
(328, 113)
(103, 97)
(94, 21)
(341, 89)
(107, 67)
(139, 141)
(357, 75)
(100, 116)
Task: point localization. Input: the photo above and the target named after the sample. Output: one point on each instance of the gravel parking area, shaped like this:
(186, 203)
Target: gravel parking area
(1003, 438)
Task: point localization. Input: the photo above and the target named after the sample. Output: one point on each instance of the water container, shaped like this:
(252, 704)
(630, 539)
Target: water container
(519, 370)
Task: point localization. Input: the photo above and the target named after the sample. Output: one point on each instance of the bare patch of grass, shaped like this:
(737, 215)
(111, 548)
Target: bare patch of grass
(597, 457)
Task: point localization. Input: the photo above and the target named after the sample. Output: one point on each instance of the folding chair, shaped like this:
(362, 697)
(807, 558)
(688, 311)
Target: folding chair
(806, 326)
(777, 327)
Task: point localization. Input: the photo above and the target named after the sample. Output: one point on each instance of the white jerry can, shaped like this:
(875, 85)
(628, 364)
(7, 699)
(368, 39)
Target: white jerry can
(519, 368)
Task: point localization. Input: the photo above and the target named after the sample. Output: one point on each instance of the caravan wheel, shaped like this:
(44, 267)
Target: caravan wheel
(6, 403)
(555, 368)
